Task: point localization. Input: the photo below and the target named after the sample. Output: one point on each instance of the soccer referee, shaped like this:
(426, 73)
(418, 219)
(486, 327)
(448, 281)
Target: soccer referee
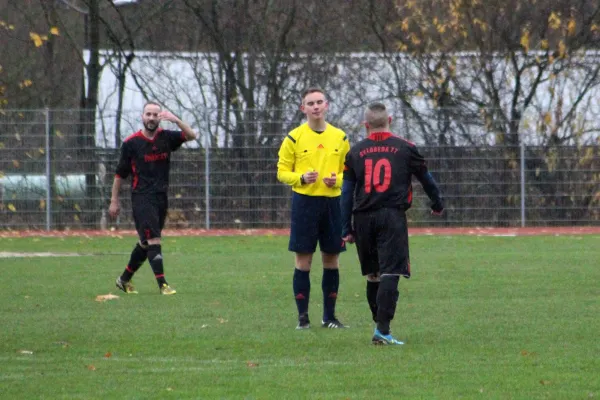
(311, 161)
(146, 156)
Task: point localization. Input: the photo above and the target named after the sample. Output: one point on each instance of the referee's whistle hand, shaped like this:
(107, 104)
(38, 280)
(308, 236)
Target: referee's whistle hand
(348, 238)
(311, 177)
(330, 181)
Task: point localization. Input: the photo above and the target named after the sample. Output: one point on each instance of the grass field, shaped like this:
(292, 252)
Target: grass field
(482, 318)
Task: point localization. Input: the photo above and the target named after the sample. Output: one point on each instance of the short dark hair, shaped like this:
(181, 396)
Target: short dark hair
(376, 115)
(312, 89)
(151, 103)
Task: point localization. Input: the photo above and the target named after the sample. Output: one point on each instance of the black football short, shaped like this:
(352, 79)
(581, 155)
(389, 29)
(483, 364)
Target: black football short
(149, 214)
(382, 241)
(316, 219)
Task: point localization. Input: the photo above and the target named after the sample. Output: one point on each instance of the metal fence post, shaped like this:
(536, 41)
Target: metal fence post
(522, 183)
(48, 172)
(207, 178)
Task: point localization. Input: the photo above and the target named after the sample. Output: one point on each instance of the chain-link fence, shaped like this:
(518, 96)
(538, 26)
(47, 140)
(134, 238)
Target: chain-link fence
(57, 168)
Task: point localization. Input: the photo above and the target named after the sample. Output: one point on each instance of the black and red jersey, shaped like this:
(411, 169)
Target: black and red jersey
(382, 166)
(148, 160)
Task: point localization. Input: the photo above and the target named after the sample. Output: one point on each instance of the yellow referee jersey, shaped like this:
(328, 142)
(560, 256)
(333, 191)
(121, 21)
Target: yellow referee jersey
(304, 150)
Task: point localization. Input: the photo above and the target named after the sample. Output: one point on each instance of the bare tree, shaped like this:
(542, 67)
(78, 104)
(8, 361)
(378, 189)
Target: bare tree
(490, 62)
(501, 73)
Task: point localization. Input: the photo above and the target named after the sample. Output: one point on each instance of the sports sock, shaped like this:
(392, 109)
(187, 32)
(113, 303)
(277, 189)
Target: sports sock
(156, 262)
(330, 285)
(138, 256)
(387, 298)
(372, 288)
(301, 290)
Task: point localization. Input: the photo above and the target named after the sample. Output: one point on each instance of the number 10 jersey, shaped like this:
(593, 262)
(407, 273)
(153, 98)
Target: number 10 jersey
(382, 166)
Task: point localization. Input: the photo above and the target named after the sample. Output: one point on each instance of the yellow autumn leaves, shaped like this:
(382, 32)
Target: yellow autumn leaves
(554, 23)
(462, 19)
(42, 205)
(39, 40)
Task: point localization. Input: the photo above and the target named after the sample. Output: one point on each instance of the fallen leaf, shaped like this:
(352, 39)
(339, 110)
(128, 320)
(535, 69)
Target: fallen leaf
(221, 320)
(105, 297)
(250, 364)
(526, 353)
(544, 382)
(108, 355)
(54, 31)
(90, 367)
(169, 389)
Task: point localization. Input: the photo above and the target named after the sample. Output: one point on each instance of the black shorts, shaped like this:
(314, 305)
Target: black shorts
(316, 219)
(149, 214)
(382, 242)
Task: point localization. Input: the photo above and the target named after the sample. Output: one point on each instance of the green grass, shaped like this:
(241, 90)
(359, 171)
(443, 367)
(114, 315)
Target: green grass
(482, 318)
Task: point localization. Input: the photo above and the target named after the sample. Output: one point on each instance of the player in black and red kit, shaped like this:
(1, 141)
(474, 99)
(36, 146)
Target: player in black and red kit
(146, 156)
(377, 191)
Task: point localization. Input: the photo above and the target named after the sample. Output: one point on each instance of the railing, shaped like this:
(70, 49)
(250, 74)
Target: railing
(56, 172)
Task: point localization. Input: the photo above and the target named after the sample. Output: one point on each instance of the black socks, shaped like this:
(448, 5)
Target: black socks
(138, 256)
(387, 298)
(372, 288)
(330, 285)
(301, 290)
(156, 262)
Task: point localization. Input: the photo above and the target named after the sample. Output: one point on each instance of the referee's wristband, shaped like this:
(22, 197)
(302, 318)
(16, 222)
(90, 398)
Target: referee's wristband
(302, 181)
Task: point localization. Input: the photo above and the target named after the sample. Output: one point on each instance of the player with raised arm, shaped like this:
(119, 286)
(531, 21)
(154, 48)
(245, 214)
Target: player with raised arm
(376, 193)
(146, 156)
